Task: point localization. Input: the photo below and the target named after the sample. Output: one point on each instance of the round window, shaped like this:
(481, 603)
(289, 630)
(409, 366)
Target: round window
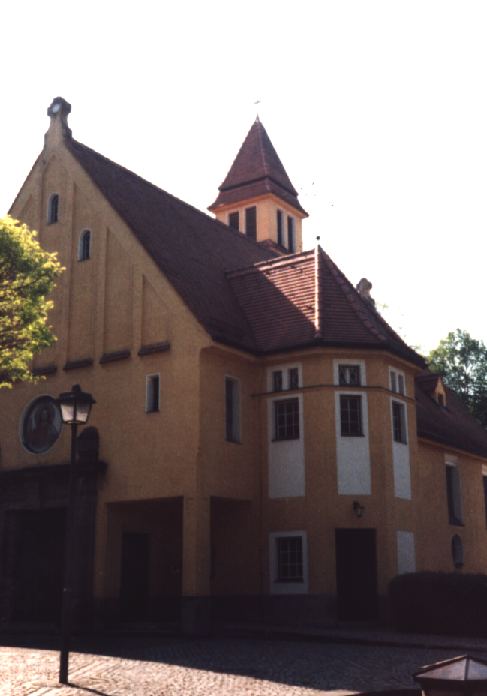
(41, 425)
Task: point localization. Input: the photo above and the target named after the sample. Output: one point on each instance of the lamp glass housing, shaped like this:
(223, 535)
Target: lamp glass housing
(75, 406)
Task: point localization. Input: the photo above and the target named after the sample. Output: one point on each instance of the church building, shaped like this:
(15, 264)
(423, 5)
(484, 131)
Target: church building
(263, 444)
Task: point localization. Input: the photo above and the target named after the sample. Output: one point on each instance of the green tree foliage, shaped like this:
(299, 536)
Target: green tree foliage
(463, 362)
(27, 276)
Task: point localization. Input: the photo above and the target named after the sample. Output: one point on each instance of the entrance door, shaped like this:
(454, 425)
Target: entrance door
(356, 573)
(39, 567)
(134, 575)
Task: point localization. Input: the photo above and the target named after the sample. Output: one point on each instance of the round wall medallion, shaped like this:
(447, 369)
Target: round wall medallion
(41, 425)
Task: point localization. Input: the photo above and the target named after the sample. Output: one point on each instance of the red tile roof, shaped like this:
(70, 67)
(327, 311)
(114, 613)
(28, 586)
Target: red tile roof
(191, 249)
(256, 171)
(304, 299)
(451, 425)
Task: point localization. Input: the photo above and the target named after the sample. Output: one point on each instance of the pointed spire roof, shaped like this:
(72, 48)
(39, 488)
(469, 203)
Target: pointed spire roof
(257, 170)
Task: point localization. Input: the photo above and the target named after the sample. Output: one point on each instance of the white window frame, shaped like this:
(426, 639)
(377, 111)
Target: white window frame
(457, 498)
(397, 373)
(404, 412)
(285, 376)
(349, 361)
(276, 586)
(148, 380)
(237, 409)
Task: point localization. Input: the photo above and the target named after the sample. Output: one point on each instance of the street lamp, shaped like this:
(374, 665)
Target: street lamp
(75, 407)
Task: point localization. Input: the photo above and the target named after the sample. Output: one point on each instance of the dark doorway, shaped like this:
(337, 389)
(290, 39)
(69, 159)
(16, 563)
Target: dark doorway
(39, 565)
(356, 571)
(134, 575)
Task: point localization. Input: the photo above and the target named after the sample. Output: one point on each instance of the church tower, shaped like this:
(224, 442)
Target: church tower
(257, 197)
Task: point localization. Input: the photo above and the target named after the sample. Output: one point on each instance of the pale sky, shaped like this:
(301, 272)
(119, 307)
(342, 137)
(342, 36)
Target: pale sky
(377, 109)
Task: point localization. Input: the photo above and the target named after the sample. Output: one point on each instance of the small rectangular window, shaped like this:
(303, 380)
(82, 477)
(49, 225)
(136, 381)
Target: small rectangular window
(399, 422)
(349, 375)
(393, 381)
(351, 415)
(289, 551)
(286, 419)
(291, 235)
(152, 393)
(400, 383)
(251, 222)
(232, 410)
(280, 231)
(277, 380)
(455, 513)
(234, 220)
(293, 376)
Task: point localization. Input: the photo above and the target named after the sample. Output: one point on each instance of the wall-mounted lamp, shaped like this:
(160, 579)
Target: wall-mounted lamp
(358, 509)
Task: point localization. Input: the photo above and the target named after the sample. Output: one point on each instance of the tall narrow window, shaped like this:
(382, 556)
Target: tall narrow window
(280, 231)
(484, 481)
(152, 393)
(293, 378)
(457, 551)
(234, 220)
(453, 493)
(399, 422)
(84, 245)
(277, 380)
(251, 222)
(232, 410)
(351, 415)
(286, 419)
(53, 209)
(291, 235)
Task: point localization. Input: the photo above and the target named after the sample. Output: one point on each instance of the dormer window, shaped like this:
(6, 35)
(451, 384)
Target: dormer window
(53, 209)
(84, 245)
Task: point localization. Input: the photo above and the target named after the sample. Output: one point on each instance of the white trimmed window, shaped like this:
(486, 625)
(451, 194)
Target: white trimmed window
(349, 372)
(399, 422)
(152, 393)
(284, 377)
(232, 409)
(397, 381)
(454, 494)
(288, 555)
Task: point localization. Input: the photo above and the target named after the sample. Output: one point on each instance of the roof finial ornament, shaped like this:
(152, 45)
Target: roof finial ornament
(59, 110)
(363, 288)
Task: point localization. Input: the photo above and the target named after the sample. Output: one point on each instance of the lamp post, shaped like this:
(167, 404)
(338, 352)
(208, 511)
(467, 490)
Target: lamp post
(75, 407)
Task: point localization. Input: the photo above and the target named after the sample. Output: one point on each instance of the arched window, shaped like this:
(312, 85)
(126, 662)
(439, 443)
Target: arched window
(84, 245)
(457, 551)
(53, 209)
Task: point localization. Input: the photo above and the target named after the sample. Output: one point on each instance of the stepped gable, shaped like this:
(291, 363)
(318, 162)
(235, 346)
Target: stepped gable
(256, 171)
(304, 299)
(191, 249)
(452, 425)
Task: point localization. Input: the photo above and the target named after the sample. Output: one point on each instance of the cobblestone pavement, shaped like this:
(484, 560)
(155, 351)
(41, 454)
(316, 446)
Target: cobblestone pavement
(214, 667)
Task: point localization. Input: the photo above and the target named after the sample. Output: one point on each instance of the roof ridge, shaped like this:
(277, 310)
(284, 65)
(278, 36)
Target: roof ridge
(279, 261)
(363, 310)
(227, 228)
